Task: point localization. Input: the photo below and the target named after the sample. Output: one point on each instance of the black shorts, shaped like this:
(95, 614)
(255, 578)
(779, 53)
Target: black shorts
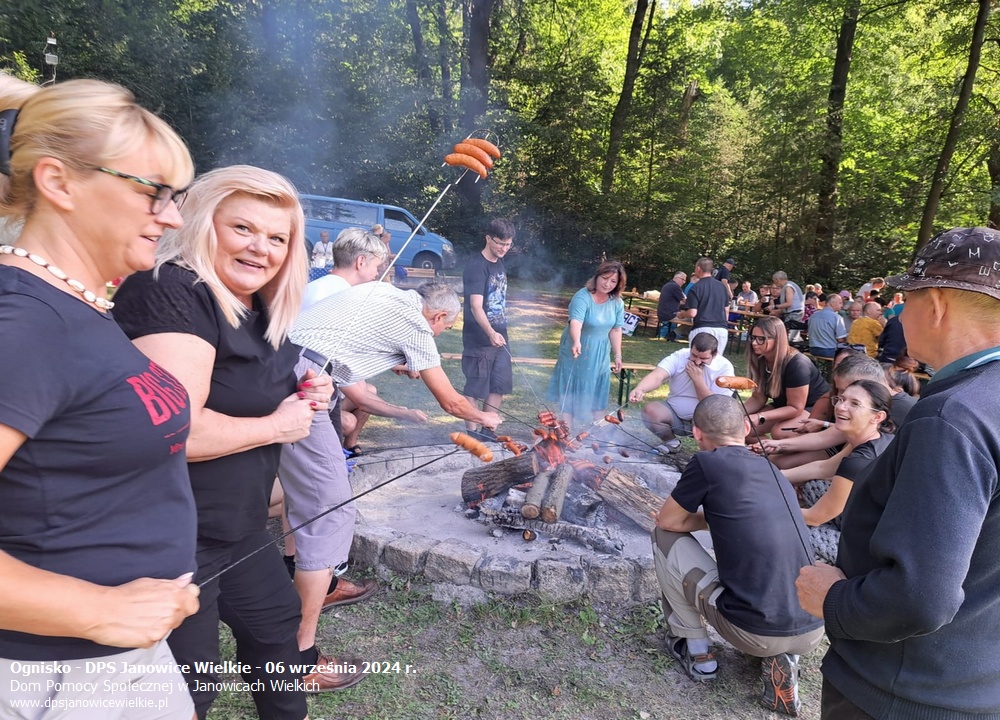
(487, 371)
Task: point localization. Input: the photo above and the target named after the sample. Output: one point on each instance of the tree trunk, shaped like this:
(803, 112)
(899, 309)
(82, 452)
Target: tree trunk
(833, 144)
(422, 66)
(600, 539)
(555, 495)
(687, 103)
(444, 64)
(475, 90)
(993, 166)
(633, 62)
(532, 507)
(621, 492)
(957, 117)
(495, 478)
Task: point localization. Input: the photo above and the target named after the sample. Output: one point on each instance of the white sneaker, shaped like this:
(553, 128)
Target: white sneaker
(669, 449)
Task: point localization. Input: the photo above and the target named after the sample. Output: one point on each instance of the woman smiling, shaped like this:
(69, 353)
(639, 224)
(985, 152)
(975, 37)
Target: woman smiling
(862, 415)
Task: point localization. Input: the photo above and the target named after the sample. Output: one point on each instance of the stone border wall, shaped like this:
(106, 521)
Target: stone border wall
(559, 577)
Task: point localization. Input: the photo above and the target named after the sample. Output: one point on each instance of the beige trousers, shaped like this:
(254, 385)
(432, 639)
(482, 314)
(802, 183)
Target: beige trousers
(689, 587)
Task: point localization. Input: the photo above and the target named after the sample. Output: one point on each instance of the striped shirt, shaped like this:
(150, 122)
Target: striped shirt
(368, 329)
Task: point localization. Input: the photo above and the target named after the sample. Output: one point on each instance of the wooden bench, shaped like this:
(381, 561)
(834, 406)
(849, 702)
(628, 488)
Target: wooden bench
(416, 276)
(625, 377)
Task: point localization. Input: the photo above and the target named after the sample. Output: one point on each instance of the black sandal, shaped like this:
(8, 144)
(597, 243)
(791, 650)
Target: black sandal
(353, 452)
(678, 647)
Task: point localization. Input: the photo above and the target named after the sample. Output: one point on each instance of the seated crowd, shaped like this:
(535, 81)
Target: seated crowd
(811, 439)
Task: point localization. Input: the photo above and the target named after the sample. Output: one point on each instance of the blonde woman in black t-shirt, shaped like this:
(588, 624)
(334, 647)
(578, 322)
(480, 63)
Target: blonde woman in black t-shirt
(97, 530)
(216, 312)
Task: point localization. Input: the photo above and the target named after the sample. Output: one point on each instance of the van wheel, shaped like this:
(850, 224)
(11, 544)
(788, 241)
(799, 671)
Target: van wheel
(428, 261)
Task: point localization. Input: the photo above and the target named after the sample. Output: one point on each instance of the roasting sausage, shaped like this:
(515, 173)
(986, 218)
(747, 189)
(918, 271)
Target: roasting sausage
(466, 161)
(612, 419)
(733, 382)
(466, 148)
(472, 445)
(486, 145)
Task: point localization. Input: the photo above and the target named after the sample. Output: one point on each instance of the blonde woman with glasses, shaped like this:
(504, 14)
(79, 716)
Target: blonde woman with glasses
(97, 537)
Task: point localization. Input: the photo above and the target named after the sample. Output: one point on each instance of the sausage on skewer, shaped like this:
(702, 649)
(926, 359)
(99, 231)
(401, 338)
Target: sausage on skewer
(473, 446)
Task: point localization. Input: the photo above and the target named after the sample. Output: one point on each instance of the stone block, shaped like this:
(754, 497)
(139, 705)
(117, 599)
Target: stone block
(503, 575)
(464, 596)
(369, 542)
(610, 580)
(560, 578)
(646, 587)
(407, 554)
(452, 561)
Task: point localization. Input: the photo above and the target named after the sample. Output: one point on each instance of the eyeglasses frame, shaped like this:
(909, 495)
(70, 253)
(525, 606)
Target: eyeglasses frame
(177, 196)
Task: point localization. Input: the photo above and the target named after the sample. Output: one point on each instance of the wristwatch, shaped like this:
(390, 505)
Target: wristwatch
(826, 424)
(761, 419)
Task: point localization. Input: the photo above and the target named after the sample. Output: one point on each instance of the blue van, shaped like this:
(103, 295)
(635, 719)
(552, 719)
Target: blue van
(426, 249)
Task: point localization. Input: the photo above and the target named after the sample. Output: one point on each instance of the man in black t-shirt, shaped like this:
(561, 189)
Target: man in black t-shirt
(707, 304)
(671, 297)
(724, 274)
(748, 595)
(486, 360)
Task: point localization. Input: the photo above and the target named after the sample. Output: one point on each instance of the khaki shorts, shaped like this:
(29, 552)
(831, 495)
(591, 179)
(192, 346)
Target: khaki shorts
(142, 684)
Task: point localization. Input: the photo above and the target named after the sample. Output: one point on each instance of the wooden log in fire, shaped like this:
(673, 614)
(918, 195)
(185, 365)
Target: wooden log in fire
(533, 500)
(555, 495)
(621, 492)
(495, 478)
(600, 539)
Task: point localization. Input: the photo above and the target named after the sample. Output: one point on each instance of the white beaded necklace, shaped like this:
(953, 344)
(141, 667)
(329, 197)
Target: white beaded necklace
(89, 296)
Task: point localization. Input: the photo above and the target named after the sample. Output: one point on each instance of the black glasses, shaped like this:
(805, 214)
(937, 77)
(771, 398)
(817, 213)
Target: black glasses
(758, 339)
(159, 199)
(501, 243)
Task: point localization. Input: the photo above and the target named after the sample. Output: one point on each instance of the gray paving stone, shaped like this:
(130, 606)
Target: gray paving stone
(465, 596)
(609, 579)
(366, 550)
(560, 578)
(407, 554)
(646, 587)
(504, 575)
(452, 561)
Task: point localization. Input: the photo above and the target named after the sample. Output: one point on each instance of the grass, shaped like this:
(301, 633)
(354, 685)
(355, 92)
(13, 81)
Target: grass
(536, 322)
(518, 658)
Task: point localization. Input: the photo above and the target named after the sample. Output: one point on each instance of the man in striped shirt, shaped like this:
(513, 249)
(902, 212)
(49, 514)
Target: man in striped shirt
(354, 335)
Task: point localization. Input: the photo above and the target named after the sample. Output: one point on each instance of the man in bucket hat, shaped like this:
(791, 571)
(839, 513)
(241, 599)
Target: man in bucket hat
(912, 608)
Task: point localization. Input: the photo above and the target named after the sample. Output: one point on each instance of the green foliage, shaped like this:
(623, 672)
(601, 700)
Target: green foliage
(334, 95)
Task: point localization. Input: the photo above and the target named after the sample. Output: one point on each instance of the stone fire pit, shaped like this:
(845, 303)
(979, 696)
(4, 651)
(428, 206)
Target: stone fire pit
(419, 525)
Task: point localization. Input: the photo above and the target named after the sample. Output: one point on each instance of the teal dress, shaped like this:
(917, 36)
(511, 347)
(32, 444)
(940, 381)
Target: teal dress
(580, 387)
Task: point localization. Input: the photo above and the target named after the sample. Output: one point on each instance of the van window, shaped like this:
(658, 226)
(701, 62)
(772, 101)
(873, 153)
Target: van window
(356, 214)
(399, 222)
(333, 211)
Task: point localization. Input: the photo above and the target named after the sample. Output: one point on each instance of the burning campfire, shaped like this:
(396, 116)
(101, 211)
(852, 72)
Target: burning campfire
(542, 490)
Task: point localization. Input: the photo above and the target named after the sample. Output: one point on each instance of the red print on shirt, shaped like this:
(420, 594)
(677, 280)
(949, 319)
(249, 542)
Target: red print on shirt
(161, 393)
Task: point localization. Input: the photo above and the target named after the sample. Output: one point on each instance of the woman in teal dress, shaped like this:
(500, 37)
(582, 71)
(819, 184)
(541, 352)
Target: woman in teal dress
(581, 382)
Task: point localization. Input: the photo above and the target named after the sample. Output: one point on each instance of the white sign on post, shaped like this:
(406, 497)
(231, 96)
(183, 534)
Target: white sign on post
(631, 323)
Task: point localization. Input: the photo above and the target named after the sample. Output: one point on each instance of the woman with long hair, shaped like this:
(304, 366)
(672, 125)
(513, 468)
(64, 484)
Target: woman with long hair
(862, 415)
(788, 384)
(216, 311)
(581, 382)
(97, 537)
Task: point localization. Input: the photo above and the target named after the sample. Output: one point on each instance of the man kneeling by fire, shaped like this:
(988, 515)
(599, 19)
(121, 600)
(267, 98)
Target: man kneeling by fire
(748, 595)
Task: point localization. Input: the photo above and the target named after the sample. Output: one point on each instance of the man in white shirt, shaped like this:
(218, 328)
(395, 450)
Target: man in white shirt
(322, 253)
(356, 255)
(691, 374)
